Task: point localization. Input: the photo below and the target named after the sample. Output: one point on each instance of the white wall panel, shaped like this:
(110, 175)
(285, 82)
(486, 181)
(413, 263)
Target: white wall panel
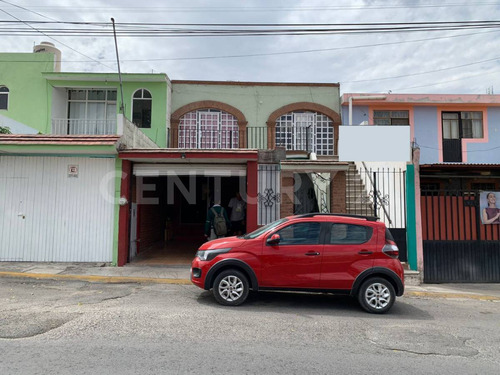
(374, 143)
(47, 216)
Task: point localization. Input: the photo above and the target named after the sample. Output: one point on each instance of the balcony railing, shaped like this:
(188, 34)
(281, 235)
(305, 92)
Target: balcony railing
(256, 137)
(207, 138)
(83, 127)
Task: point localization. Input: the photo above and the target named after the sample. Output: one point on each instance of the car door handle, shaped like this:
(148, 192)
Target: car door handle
(312, 253)
(365, 252)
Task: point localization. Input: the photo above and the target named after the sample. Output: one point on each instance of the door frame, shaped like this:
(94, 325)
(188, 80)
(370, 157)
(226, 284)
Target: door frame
(452, 143)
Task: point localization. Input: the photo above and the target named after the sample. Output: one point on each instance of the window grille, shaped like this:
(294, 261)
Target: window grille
(308, 131)
(391, 118)
(208, 129)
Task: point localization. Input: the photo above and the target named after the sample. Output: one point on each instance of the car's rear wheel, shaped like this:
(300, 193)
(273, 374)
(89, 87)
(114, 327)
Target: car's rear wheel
(231, 288)
(376, 295)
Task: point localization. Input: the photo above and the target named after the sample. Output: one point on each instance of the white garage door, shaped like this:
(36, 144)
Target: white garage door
(56, 209)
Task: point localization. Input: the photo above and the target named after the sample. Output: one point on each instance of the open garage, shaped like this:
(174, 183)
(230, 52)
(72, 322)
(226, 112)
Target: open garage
(169, 194)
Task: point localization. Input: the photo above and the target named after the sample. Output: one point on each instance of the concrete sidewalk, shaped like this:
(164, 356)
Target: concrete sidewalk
(97, 272)
(104, 273)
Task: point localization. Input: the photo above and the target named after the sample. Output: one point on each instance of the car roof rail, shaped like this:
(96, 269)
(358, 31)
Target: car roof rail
(368, 218)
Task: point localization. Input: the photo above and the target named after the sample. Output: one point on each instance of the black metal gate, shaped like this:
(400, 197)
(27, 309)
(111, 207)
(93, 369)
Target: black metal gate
(457, 246)
(379, 192)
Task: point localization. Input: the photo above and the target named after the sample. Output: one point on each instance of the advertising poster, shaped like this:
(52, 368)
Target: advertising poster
(490, 212)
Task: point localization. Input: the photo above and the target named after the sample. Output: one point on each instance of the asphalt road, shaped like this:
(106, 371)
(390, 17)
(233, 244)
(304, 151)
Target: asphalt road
(61, 327)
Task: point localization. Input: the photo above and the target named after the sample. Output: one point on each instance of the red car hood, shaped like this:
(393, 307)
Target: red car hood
(221, 243)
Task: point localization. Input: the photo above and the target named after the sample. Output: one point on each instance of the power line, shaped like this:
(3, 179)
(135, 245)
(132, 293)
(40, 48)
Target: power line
(447, 81)
(255, 24)
(215, 57)
(217, 30)
(426, 72)
(41, 32)
(248, 9)
(465, 25)
(38, 14)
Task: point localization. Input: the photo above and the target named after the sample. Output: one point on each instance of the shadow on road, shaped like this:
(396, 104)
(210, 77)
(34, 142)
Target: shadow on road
(315, 304)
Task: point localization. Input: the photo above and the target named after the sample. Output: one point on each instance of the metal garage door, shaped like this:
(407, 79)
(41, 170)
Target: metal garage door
(56, 209)
(458, 247)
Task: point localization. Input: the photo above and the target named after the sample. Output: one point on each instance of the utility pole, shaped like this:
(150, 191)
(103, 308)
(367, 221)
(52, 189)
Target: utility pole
(122, 109)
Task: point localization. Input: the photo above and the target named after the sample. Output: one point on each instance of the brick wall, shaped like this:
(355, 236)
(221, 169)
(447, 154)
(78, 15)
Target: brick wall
(338, 191)
(287, 193)
(151, 225)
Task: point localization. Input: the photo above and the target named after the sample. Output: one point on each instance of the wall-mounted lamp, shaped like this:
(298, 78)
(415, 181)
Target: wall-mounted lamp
(123, 201)
(183, 155)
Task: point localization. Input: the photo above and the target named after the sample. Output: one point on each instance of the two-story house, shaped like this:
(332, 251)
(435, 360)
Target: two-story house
(118, 169)
(455, 142)
(274, 143)
(60, 175)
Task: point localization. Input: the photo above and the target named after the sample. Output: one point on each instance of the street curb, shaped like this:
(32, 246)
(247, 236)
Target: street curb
(96, 279)
(447, 295)
(156, 280)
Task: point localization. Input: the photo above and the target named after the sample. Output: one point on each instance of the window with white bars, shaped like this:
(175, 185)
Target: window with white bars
(308, 131)
(209, 129)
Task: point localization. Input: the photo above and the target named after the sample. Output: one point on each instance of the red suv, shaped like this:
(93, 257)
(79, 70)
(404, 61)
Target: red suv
(342, 254)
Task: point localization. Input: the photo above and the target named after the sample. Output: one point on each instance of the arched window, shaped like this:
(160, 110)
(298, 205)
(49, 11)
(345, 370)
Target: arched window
(141, 108)
(4, 97)
(208, 128)
(307, 131)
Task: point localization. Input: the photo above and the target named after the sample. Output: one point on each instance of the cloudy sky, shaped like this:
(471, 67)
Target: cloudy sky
(465, 60)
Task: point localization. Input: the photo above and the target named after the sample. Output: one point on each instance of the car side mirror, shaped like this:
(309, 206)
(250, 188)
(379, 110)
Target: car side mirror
(274, 239)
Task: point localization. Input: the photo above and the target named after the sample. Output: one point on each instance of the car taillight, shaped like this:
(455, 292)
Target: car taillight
(390, 249)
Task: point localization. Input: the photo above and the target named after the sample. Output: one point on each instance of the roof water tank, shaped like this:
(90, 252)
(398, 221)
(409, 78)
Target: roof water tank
(47, 47)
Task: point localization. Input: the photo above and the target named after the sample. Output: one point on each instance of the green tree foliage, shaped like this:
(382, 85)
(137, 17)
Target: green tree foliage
(5, 130)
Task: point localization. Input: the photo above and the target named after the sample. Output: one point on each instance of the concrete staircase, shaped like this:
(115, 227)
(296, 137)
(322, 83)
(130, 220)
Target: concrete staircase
(412, 278)
(358, 201)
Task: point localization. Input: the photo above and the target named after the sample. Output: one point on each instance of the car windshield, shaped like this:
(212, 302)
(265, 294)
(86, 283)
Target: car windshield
(265, 228)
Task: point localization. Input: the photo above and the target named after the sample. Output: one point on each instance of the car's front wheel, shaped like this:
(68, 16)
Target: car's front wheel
(231, 288)
(376, 295)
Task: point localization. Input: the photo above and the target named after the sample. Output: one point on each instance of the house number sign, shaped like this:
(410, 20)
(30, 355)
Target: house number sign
(72, 170)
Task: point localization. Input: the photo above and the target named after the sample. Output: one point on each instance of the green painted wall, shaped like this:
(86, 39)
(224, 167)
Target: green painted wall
(29, 101)
(158, 131)
(256, 101)
(411, 223)
(118, 184)
(155, 83)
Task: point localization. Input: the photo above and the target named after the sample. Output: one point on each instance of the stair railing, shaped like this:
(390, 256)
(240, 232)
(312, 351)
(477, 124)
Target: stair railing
(376, 194)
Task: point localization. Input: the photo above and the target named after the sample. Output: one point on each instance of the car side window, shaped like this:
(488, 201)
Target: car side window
(341, 234)
(300, 234)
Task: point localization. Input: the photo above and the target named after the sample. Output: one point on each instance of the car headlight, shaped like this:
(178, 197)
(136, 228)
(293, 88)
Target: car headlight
(211, 254)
